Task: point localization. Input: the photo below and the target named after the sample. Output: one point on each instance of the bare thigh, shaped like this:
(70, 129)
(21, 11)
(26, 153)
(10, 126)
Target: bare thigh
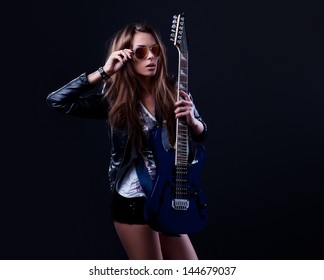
(139, 241)
(177, 247)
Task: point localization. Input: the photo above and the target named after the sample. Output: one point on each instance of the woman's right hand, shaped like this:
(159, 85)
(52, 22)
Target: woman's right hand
(117, 60)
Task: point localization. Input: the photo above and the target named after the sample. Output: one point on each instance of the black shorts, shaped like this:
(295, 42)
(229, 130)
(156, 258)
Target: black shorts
(127, 210)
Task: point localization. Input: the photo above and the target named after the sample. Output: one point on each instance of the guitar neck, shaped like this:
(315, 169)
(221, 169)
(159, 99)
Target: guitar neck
(181, 125)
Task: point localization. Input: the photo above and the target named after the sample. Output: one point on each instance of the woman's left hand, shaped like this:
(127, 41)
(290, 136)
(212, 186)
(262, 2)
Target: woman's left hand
(185, 108)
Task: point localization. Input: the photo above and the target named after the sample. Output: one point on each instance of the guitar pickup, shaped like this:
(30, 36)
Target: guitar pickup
(180, 204)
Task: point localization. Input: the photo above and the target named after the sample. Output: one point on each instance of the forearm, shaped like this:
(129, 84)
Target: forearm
(196, 127)
(199, 131)
(95, 77)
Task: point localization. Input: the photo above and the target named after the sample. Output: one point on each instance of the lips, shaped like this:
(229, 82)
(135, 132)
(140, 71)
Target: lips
(150, 65)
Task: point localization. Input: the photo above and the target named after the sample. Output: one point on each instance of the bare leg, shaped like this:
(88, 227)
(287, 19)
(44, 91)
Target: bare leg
(139, 241)
(177, 248)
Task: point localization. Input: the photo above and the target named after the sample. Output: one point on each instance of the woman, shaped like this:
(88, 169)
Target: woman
(137, 94)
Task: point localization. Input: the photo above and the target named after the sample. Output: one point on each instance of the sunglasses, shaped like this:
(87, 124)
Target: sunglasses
(141, 52)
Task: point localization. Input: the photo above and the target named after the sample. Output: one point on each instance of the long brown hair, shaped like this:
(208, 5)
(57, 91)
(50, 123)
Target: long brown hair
(123, 93)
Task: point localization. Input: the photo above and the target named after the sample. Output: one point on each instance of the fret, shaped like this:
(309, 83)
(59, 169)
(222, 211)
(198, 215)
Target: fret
(184, 77)
(184, 172)
(184, 60)
(183, 72)
(182, 152)
(182, 144)
(183, 86)
(183, 140)
(182, 123)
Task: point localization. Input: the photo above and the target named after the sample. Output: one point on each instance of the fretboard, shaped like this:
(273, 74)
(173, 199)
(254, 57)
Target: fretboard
(181, 125)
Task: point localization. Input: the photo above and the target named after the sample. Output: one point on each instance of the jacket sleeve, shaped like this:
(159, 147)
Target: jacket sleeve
(202, 136)
(75, 99)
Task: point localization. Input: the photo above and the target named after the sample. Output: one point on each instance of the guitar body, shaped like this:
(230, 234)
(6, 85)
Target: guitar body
(190, 212)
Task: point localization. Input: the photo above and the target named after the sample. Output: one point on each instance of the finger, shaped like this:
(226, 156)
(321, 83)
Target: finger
(118, 57)
(183, 103)
(122, 55)
(125, 54)
(182, 114)
(184, 94)
(129, 53)
(182, 110)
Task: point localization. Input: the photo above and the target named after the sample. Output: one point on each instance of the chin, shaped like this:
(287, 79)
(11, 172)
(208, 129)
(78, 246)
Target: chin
(147, 74)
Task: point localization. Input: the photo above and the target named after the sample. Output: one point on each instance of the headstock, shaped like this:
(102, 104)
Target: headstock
(178, 32)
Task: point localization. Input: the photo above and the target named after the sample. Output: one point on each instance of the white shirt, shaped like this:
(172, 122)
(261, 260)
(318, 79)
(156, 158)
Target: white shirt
(130, 186)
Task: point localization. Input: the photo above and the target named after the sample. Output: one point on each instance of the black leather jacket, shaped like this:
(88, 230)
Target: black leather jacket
(77, 99)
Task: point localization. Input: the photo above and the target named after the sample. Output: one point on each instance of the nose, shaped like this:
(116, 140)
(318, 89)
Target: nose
(150, 54)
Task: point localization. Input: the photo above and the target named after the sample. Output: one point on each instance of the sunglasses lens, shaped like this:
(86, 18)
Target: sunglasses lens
(141, 52)
(156, 50)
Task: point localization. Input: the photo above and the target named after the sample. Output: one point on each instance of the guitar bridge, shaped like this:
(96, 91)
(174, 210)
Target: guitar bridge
(180, 204)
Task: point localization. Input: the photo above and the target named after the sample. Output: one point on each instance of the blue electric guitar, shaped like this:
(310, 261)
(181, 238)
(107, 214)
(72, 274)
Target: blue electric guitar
(177, 203)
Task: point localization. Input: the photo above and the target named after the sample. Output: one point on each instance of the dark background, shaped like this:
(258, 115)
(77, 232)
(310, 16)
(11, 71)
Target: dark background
(256, 73)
